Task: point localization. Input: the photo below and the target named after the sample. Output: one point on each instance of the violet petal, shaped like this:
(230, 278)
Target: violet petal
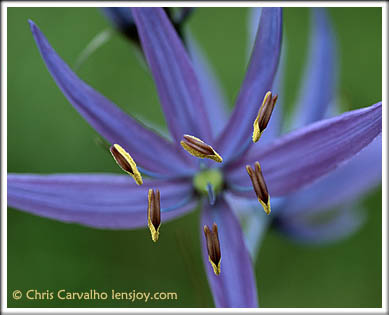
(175, 79)
(258, 80)
(302, 156)
(302, 230)
(344, 185)
(109, 120)
(97, 200)
(236, 285)
(214, 97)
(318, 89)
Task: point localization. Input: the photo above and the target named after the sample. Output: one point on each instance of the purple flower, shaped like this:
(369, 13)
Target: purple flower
(326, 210)
(291, 165)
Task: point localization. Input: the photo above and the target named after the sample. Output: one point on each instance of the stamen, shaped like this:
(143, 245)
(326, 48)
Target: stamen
(125, 161)
(154, 213)
(264, 115)
(213, 247)
(259, 186)
(199, 148)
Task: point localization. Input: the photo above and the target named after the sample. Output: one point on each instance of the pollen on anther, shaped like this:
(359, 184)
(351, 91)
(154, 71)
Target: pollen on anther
(213, 247)
(154, 213)
(259, 186)
(126, 162)
(199, 148)
(263, 116)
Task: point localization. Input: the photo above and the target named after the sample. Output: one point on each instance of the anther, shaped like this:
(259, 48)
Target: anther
(213, 247)
(199, 148)
(125, 161)
(259, 186)
(154, 213)
(264, 115)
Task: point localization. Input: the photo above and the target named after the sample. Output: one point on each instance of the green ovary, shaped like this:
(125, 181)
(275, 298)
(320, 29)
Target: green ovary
(212, 176)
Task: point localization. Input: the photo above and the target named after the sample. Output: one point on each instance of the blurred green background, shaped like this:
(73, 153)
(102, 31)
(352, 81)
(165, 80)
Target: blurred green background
(46, 135)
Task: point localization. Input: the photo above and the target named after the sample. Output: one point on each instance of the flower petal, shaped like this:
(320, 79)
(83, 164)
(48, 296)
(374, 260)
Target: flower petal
(252, 28)
(318, 89)
(273, 130)
(110, 121)
(253, 220)
(97, 200)
(274, 127)
(301, 229)
(176, 81)
(235, 286)
(214, 98)
(306, 154)
(258, 80)
(346, 184)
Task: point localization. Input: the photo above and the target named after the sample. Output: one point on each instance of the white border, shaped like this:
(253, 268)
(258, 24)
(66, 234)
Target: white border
(385, 157)
(6, 4)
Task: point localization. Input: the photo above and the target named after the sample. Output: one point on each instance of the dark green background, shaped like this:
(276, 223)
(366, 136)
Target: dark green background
(46, 135)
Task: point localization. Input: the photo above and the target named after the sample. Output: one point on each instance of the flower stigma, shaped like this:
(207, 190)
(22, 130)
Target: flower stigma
(209, 179)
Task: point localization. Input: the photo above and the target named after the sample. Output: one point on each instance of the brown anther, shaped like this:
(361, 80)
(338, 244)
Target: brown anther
(198, 145)
(120, 159)
(259, 186)
(154, 213)
(199, 148)
(264, 114)
(266, 111)
(213, 247)
(126, 162)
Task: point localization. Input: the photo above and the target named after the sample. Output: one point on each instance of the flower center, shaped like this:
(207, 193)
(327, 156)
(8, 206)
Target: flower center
(213, 176)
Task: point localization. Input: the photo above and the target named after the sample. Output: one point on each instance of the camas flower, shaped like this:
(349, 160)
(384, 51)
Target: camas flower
(326, 210)
(223, 151)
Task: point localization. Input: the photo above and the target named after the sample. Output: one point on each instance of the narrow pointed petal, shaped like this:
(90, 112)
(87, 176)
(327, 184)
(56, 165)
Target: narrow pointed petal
(177, 85)
(109, 120)
(214, 97)
(235, 285)
(303, 156)
(344, 185)
(273, 130)
(318, 89)
(254, 17)
(258, 80)
(96, 200)
(253, 220)
(303, 230)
